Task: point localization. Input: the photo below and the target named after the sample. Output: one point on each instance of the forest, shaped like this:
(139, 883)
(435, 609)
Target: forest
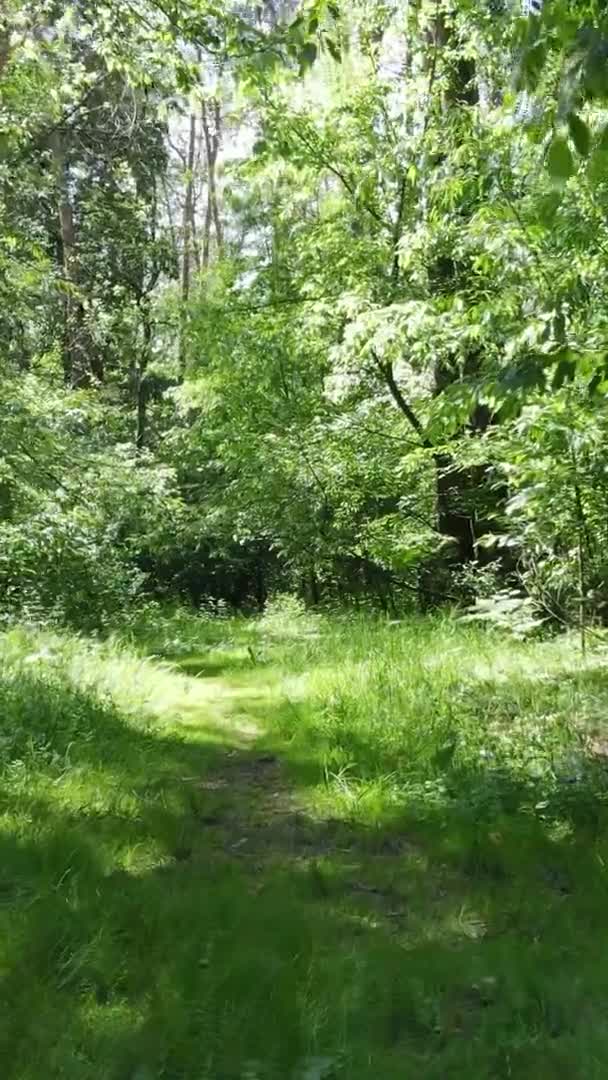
(303, 539)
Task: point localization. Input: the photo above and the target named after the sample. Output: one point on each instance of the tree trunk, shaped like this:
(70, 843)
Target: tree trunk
(169, 213)
(207, 236)
(187, 249)
(456, 518)
(76, 366)
(141, 367)
(147, 278)
(5, 47)
(212, 137)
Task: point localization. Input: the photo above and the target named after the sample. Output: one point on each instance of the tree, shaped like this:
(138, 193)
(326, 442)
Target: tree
(324, 266)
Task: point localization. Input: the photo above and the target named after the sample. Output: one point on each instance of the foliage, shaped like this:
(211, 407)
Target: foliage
(337, 276)
(76, 507)
(506, 610)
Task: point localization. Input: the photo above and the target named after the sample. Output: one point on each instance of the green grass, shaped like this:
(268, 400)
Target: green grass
(302, 848)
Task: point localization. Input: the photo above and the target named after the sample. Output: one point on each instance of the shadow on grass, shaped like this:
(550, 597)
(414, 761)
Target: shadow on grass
(214, 663)
(168, 910)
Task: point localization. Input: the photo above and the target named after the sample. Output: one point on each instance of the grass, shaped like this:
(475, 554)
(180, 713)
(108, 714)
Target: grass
(303, 848)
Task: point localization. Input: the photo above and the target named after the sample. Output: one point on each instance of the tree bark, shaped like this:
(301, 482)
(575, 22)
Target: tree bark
(187, 248)
(5, 47)
(141, 367)
(212, 135)
(76, 366)
(144, 285)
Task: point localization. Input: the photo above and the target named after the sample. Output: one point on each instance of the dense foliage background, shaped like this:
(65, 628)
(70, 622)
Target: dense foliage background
(303, 297)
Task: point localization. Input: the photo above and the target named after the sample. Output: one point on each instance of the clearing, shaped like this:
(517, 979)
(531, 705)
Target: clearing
(322, 850)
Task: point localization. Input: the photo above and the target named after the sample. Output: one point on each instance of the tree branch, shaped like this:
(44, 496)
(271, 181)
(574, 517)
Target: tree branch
(385, 368)
(45, 135)
(281, 302)
(347, 184)
(397, 232)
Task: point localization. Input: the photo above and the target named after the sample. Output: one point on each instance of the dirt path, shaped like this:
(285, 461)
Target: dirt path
(256, 815)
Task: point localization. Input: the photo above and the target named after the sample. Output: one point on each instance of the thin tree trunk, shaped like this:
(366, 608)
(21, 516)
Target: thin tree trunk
(196, 253)
(76, 368)
(141, 386)
(207, 236)
(5, 48)
(187, 248)
(212, 145)
(212, 177)
(169, 210)
(147, 279)
(582, 547)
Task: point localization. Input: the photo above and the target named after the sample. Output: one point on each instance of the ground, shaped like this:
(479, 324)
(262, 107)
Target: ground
(209, 870)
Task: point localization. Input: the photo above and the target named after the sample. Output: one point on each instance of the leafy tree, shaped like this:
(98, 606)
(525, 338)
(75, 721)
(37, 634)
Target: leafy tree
(327, 279)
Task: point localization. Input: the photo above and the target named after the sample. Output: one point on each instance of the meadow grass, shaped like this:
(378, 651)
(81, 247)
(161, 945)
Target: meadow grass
(302, 847)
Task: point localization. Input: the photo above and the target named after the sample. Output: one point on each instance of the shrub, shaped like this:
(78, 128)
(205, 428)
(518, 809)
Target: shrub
(66, 568)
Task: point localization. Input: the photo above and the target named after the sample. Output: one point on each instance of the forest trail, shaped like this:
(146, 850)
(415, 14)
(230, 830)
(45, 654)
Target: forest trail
(254, 810)
(276, 868)
(257, 812)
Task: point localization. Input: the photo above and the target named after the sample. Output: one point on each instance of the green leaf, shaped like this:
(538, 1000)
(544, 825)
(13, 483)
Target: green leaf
(595, 383)
(184, 78)
(597, 168)
(560, 162)
(527, 375)
(532, 63)
(564, 372)
(548, 207)
(595, 76)
(580, 134)
(308, 55)
(333, 48)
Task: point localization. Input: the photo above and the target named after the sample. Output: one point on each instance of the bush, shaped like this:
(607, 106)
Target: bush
(174, 631)
(286, 616)
(65, 568)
